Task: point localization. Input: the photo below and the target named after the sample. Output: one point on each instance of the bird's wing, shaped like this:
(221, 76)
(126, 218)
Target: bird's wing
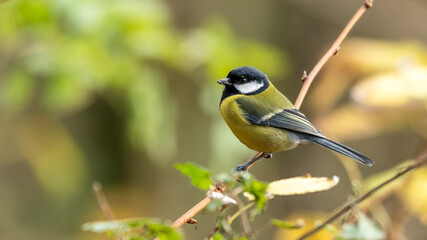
(255, 112)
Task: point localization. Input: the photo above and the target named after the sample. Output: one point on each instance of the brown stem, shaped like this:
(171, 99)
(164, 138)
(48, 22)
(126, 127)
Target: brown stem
(216, 229)
(422, 160)
(102, 201)
(334, 48)
(244, 217)
(191, 213)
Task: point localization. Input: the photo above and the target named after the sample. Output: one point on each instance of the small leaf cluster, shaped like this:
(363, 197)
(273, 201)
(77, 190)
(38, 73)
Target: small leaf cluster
(199, 176)
(251, 194)
(231, 195)
(135, 229)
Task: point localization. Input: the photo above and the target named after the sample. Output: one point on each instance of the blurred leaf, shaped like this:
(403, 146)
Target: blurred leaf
(310, 221)
(226, 148)
(414, 194)
(55, 158)
(388, 95)
(381, 177)
(152, 115)
(286, 224)
(215, 46)
(376, 179)
(214, 205)
(199, 176)
(367, 123)
(140, 228)
(256, 188)
(225, 178)
(121, 51)
(359, 58)
(406, 86)
(65, 94)
(365, 228)
(15, 91)
(103, 227)
(164, 232)
(217, 236)
(301, 185)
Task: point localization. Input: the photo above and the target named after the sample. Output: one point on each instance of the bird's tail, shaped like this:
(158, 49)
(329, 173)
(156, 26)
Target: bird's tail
(338, 147)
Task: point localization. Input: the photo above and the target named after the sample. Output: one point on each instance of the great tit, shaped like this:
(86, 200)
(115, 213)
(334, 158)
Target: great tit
(264, 120)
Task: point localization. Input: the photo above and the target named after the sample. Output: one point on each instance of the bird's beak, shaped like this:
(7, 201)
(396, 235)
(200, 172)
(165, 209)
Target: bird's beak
(224, 81)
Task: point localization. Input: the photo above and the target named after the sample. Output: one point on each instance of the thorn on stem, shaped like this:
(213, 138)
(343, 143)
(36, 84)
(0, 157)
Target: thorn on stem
(369, 3)
(193, 221)
(337, 50)
(304, 76)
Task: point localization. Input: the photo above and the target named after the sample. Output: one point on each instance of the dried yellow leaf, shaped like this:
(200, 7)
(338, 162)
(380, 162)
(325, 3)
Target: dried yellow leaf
(301, 185)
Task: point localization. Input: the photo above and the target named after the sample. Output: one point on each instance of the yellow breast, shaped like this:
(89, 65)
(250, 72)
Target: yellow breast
(258, 138)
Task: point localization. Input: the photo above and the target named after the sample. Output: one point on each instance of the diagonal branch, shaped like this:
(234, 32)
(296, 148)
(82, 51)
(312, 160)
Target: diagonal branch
(332, 51)
(422, 160)
(191, 213)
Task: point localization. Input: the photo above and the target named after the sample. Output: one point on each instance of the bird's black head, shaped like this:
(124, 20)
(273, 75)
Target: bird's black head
(244, 80)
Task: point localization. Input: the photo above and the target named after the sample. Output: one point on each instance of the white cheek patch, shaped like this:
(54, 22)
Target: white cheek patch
(248, 87)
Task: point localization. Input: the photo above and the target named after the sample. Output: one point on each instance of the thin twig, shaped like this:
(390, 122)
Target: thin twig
(102, 201)
(257, 231)
(186, 217)
(216, 229)
(244, 216)
(334, 48)
(242, 210)
(191, 213)
(422, 160)
(308, 79)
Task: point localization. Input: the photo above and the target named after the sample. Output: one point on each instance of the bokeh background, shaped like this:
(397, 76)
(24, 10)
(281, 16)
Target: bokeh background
(116, 91)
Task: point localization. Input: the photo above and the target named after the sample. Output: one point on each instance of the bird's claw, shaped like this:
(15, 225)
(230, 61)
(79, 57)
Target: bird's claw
(241, 168)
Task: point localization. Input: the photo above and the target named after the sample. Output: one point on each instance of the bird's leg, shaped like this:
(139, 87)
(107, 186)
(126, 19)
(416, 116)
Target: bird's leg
(252, 161)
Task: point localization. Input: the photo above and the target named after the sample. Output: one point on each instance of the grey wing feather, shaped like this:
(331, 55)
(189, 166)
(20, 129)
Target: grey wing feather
(263, 114)
(289, 119)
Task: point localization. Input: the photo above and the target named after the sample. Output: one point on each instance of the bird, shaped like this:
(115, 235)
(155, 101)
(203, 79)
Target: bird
(264, 120)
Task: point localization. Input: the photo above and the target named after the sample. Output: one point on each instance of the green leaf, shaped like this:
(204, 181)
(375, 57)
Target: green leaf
(15, 91)
(225, 178)
(103, 227)
(163, 232)
(364, 229)
(200, 177)
(217, 236)
(134, 229)
(136, 237)
(287, 225)
(255, 188)
(214, 205)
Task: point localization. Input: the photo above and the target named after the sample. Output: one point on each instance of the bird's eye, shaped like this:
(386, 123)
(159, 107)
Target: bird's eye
(244, 80)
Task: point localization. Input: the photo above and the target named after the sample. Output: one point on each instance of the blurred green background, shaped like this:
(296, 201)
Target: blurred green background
(116, 91)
